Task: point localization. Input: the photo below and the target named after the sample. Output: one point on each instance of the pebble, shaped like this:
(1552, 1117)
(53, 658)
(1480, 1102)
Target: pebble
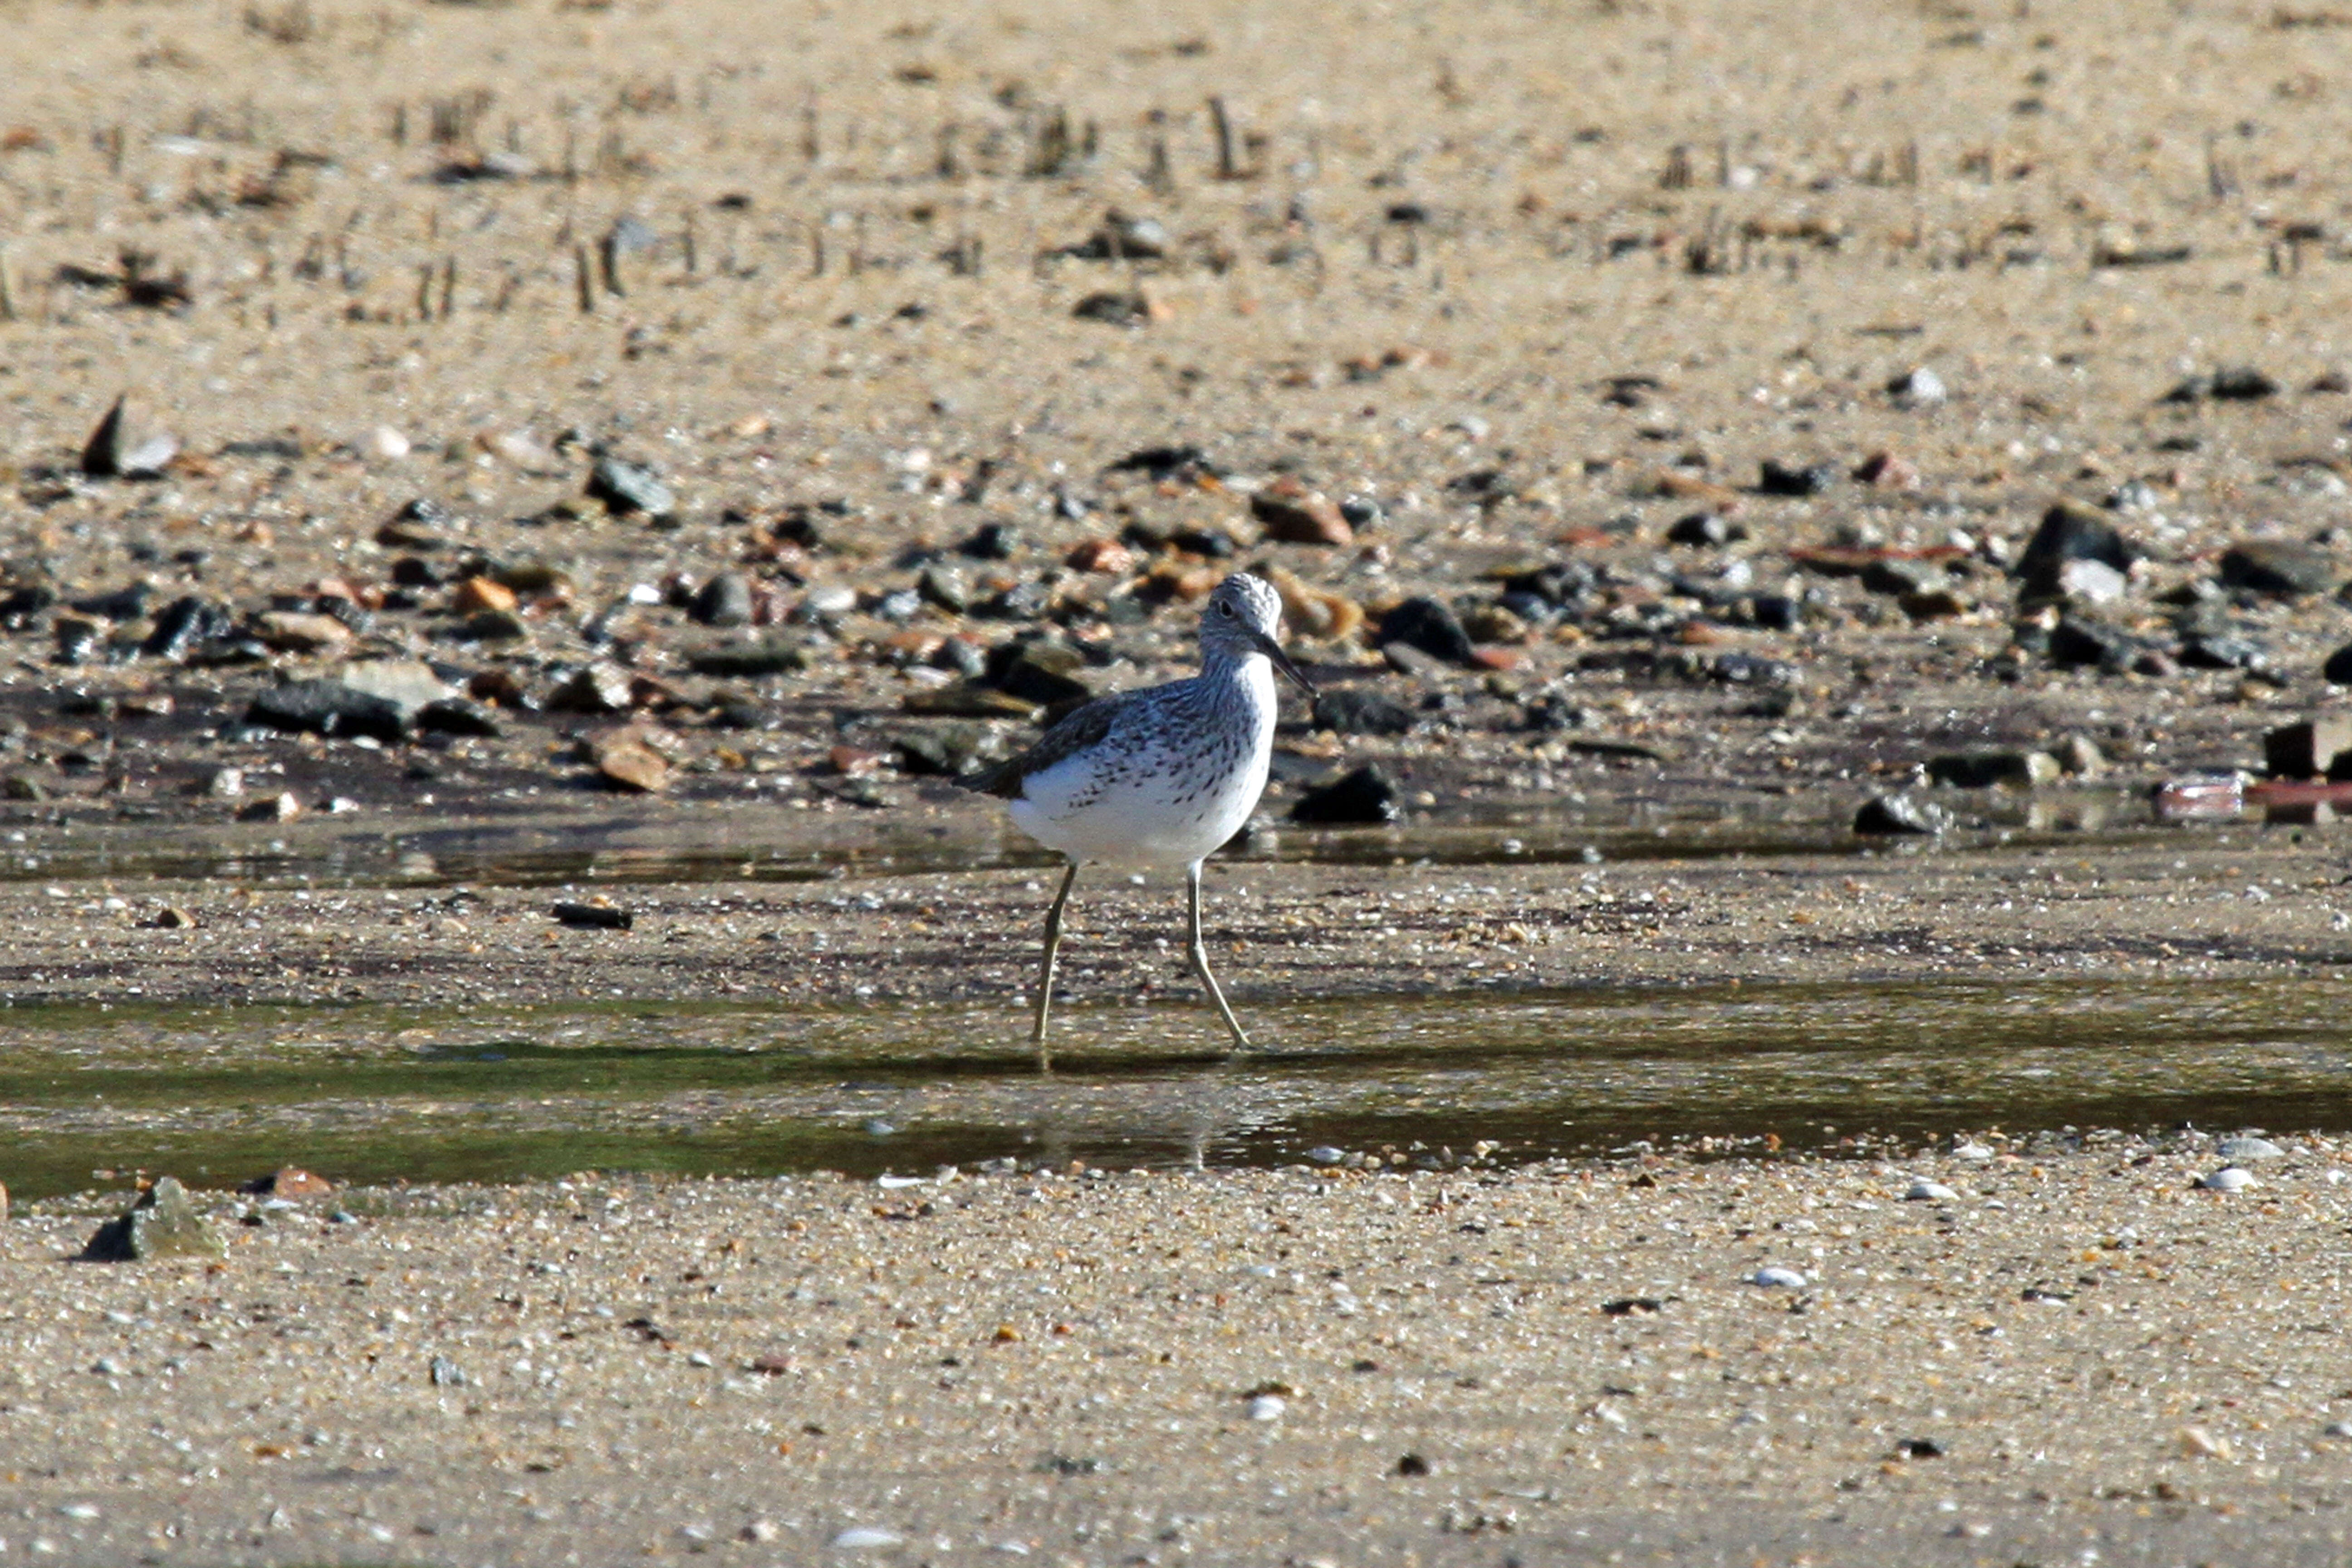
(2247, 1147)
(1897, 814)
(164, 1223)
(2070, 530)
(1267, 1407)
(114, 451)
(859, 1536)
(447, 1373)
(2197, 1443)
(1919, 388)
(1432, 627)
(625, 759)
(1798, 479)
(1926, 1192)
(1775, 1277)
(1363, 795)
(375, 697)
(2339, 1429)
(2337, 670)
(630, 488)
(1360, 711)
(2228, 1179)
(2278, 568)
(1325, 1154)
(1293, 514)
(725, 601)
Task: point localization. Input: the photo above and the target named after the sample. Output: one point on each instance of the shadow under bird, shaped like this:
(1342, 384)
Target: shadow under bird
(1161, 776)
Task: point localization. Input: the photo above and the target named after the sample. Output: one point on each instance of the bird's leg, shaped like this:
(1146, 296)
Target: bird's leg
(1199, 953)
(1045, 973)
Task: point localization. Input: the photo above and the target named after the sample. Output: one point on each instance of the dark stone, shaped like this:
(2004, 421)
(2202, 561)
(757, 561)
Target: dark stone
(1430, 625)
(2239, 383)
(593, 917)
(1360, 711)
(1163, 462)
(110, 453)
(125, 604)
(1751, 669)
(2224, 650)
(1211, 543)
(992, 542)
(2070, 532)
(1706, 529)
(1885, 815)
(724, 601)
(19, 608)
(2077, 644)
(899, 606)
(415, 571)
(2338, 667)
(1021, 602)
(749, 660)
(629, 488)
(1986, 770)
(183, 623)
(1040, 671)
(458, 716)
(2314, 748)
(1564, 585)
(1775, 612)
(162, 1224)
(944, 586)
(1363, 795)
(2280, 568)
(328, 707)
(1778, 478)
(945, 751)
(1902, 578)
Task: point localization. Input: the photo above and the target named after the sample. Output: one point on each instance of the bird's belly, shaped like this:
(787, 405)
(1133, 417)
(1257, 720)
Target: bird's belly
(1151, 819)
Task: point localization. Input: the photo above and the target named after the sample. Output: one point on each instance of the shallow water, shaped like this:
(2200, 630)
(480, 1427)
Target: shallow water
(216, 1095)
(1681, 820)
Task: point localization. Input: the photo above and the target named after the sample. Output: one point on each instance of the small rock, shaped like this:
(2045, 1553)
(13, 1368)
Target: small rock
(291, 1182)
(629, 488)
(2198, 1443)
(113, 452)
(2319, 747)
(2070, 532)
(2228, 1179)
(477, 595)
(297, 631)
(1267, 1406)
(2245, 1147)
(1360, 711)
(2079, 643)
(283, 806)
(943, 585)
(1706, 529)
(373, 697)
(2278, 568)
(2081, 758)
(598, 688)
(385, 444)
(1431, 626)
(2337, 670)
(1919, 388)
(1325, 1154)
(750, 661)
(945, 751)
(2092, 583)
(1898, 576)
(627, 761)
(1042, 671)
(1900, 814)
(1293, 514)
(1778, 478)
(860, 1536)
(162, 1224)
(1121, 238)
(1365, 794)
(593, 917)
(185, 624)
(1984, 770)
(1775, 1277)
(445, 1373)
(725, 601)
(1926, 1192)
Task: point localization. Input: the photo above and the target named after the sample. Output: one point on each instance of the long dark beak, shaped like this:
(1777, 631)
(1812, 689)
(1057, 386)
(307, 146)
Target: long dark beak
(1272, 650)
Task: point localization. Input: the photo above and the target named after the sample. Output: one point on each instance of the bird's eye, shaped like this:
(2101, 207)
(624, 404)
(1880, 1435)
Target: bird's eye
(1225, 609)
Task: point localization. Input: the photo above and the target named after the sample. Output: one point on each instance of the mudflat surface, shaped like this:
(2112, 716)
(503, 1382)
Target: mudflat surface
(2073, 1351)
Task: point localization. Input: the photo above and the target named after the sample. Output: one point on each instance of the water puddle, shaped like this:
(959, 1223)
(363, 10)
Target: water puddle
(374, 1093)
(1690, 821)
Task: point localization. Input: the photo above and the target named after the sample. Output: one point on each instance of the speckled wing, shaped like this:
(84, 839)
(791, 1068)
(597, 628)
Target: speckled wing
(1079, 729)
